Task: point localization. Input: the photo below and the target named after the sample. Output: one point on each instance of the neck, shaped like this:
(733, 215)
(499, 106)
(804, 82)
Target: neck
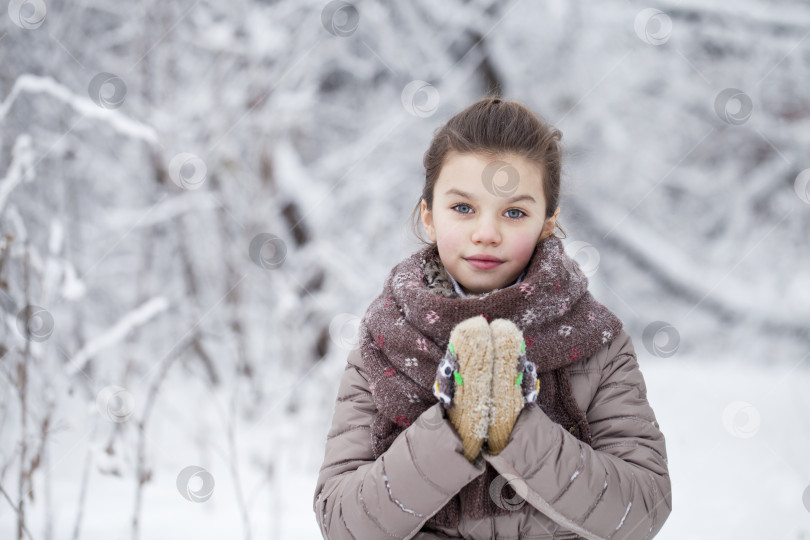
(464, 292)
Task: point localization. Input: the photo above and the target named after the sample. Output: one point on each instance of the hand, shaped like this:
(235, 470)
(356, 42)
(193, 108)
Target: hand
(463, 382)
(514, 382)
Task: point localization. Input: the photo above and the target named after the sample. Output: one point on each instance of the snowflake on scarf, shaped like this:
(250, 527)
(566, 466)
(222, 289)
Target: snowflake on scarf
(529, 316)
(399, 279)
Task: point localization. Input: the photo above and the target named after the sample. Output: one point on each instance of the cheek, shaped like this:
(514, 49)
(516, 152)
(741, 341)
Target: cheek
(449, 236)
(448, 242)
(523, 245)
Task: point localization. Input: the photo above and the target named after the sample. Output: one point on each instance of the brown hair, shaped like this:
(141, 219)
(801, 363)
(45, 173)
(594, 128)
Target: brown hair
(493, 127)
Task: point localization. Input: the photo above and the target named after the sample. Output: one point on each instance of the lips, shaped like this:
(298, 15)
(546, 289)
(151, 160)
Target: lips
(484, 262)
(484, 258)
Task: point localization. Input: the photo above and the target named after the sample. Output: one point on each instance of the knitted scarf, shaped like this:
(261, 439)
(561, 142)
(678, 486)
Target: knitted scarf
(406, 329)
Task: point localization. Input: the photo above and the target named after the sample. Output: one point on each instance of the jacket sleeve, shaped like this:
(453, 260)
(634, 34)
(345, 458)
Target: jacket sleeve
(618, 488)
(393, 496)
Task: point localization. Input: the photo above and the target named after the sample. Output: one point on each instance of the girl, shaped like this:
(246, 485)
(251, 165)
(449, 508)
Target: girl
(491, 394)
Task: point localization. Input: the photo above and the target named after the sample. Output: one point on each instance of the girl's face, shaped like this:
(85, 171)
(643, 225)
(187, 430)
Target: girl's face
(485, 207)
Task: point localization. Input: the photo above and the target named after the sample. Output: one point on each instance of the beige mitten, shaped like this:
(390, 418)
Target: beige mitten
(507, 382)
(463, 382)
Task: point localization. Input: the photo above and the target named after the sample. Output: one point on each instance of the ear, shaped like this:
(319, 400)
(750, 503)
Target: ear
(548, 226)
(427, 221)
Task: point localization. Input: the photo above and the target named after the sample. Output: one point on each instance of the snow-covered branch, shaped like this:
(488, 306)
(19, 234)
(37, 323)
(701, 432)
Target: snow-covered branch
(117, 332)
(21, 168)
(700, 281)
(82, 105)
(162, 211)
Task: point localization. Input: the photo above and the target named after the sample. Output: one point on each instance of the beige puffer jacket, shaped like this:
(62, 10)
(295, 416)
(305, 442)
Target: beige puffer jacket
(617, 489)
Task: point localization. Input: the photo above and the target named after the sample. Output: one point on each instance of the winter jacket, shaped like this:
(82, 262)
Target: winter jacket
(618, 488)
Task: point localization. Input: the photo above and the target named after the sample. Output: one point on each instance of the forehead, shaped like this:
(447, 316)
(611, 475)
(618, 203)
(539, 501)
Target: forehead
(481, 174)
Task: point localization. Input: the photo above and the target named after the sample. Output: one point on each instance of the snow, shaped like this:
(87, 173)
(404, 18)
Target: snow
(34, 84)
(697, 223)
(739, 479)
(21, 168)
(117, 332)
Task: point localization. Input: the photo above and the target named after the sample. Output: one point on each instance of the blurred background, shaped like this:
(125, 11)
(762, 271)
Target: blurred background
(198, 201)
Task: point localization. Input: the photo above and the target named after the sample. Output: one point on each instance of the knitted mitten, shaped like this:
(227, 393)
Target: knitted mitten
(514, 382)
(463, 382)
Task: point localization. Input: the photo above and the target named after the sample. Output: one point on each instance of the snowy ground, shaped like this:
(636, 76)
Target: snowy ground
(739, 469)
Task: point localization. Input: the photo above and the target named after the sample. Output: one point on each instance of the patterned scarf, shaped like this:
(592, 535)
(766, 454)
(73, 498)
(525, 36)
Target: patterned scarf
(405, 332)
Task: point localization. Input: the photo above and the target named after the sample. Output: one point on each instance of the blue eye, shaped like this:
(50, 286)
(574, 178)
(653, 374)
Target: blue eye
(522, 213)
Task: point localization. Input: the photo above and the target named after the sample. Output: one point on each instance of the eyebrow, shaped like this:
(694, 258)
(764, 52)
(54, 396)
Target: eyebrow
(455, 191)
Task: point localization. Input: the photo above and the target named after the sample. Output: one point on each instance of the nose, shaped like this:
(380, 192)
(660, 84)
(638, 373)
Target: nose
(486, 232)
